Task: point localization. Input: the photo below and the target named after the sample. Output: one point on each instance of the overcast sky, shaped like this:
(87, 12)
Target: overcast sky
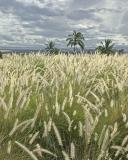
(33, 22)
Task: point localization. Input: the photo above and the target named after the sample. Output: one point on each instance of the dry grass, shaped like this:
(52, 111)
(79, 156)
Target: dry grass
(64, 107)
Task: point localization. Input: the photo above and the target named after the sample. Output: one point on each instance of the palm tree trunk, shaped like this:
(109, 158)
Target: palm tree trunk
(74, 48)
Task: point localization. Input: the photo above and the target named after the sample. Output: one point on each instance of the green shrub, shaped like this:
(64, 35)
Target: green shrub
(1, 55)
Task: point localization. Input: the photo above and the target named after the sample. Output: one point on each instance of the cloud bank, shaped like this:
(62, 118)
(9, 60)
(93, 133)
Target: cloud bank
(31, 23)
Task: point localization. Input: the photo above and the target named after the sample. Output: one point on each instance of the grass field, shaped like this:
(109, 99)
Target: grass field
(64, 107)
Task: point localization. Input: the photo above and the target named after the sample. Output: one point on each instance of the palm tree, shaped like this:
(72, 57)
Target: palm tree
(76, 39)
(106, 47)
(50, 47)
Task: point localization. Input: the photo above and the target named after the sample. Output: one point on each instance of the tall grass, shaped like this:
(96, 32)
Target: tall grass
(64, 107)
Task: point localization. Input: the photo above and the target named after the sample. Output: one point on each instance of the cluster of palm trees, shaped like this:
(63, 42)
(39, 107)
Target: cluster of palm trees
(76, 40)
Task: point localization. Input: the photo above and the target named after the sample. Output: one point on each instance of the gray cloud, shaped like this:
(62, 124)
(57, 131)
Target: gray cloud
(124, 24)
(84, 3)
(83, 14)
(32, 22)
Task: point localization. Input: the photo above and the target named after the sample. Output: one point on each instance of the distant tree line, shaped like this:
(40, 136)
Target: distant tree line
(76, 39)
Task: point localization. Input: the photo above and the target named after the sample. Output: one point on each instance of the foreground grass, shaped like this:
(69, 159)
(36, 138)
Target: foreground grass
(64, 107)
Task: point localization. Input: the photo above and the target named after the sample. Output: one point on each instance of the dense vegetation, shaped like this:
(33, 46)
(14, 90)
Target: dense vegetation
(64, 107)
